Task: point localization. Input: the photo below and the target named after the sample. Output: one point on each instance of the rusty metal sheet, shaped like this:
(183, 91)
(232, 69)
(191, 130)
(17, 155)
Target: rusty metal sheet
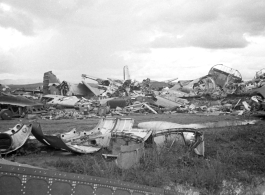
(18, 179)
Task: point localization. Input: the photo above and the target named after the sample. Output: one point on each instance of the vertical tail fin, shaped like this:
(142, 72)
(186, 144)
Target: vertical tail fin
(126, 73)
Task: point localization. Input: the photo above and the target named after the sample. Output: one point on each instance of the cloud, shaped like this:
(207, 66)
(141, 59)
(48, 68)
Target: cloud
(6, 64)
(250, 14)
(16, 19)
(212, 25)
(29, 16)
(98, 38)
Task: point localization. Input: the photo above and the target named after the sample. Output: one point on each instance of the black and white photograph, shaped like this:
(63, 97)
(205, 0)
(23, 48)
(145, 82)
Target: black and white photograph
(132, 97)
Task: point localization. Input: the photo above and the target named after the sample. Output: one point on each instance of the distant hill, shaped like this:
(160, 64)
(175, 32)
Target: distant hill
(26, 86)
(18, 81)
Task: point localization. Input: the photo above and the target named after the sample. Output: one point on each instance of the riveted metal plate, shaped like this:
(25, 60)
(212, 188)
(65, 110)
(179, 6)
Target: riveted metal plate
(16, 179)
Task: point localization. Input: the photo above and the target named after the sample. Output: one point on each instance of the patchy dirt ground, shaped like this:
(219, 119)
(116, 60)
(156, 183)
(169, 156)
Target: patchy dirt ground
(240, 150)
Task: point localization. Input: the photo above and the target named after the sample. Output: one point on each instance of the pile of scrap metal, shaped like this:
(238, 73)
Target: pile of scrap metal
(124, 96)
(107, 91)
(57, 114)
(18, 106)
(216, 84)
(126, 143)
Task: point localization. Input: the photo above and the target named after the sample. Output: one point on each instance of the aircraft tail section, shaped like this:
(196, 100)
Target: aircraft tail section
(126, 73)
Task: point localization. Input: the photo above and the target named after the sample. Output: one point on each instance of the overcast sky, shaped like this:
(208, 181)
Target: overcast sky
(156, 39)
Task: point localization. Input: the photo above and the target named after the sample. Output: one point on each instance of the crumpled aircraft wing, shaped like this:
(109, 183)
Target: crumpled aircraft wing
(94, 90)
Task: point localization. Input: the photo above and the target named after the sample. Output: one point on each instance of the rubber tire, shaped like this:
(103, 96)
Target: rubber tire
(6, 114)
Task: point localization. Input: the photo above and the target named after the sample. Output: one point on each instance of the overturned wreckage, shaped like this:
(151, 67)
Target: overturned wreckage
(18, 106)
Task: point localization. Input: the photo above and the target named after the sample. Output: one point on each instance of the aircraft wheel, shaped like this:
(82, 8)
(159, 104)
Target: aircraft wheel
(6, 114)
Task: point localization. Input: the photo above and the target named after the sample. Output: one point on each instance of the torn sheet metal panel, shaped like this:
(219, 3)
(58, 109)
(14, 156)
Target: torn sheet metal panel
(57, 142)
(100, 135)
(166, 103)
(137, 107)
(172, 96)
(83, 149)
(184, 136)
(158, 125)
(14, 138)
(104, 125)
(128, 146)
(58, 100)
(72, 135)
(164, 132)
(258, 91)
(103, 133)
(94, 90)
(123, 124)
(49, 140)
(205, 85)
(129, 155)
(75, 89)
(201, 86)
(79, 142)
(21, 179)
(175, 93)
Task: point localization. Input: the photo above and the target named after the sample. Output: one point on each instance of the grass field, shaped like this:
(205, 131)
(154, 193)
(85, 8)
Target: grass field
(233, 163)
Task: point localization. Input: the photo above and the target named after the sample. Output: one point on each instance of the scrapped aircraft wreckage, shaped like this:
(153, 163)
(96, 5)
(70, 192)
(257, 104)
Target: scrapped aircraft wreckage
(125, 96)
(159, 96)
(110, 87)
(224, 77)
(219, 82)
(119, 137)
(167, 132)
(50, 82)
(62, 141)
(17, 106)
(59, 100)
(161, 125)
(14, 138)
(127, 144)
(52, 85)
(4, 88)
(16, 178)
